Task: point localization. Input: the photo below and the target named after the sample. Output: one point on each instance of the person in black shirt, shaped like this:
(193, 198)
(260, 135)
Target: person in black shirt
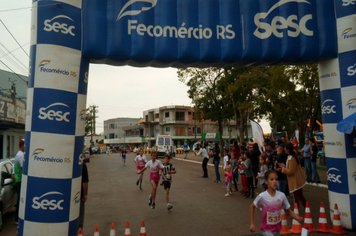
(281, 158)
(216, 154)
(84, 193)
(314, 153)
(255, 159)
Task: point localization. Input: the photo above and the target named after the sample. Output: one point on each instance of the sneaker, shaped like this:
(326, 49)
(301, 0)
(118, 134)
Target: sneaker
(141, 187)
(218, 181)
(169, 206)
(227, 195)
(153, 205)
(230, 193)
(137, 182)
(150, 201)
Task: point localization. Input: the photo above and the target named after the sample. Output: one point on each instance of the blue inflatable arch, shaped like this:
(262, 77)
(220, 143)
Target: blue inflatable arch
(67, 35)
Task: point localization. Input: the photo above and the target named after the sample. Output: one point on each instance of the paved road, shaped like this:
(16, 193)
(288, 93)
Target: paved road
(200, 207)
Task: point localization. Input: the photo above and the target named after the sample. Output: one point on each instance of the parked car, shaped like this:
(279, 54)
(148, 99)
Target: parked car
(95, 150)
(8, 194)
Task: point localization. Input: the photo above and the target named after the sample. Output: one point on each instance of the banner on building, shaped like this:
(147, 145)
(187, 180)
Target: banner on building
(257, 133)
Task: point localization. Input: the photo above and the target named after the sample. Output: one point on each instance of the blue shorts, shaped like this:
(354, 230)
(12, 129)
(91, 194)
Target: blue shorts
(123, 157)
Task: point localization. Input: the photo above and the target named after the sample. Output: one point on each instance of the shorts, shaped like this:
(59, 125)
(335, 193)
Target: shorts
(155, 177)
(123, 157)
(185, 151)
(166, 184)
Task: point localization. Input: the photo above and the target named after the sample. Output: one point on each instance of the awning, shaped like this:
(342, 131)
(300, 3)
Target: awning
(347, 125)
(211, 136)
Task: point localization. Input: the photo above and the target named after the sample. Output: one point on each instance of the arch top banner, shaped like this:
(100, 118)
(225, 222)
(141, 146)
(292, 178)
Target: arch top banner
(183, 33)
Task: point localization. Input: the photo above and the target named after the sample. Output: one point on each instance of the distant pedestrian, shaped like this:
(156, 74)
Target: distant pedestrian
(226, 162)
(295, 175)
(216, 162)
(174, 150)
(140, 162)
(247, 164)
(271, 202)
(314, 153)
(295, 144)
(108, 150)
(154, 165)
(255, 156)
(228, 175)
(167, 172)
(243, 175)
(263, 170)
(235, 149)
(17, 175)
(83, 194)
(281, 158)
(123, 156)
(306, 153)
(235, 171)
(185, 148)
(202, 152)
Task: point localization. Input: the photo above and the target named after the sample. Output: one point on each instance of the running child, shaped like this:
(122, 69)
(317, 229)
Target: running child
(154, 165)
(271, 202)
(123, 156)
(168, 170)
(261, 174)
(140, 162)
(228, 175)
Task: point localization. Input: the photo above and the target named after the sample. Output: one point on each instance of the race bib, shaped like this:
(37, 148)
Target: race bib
(273, 218)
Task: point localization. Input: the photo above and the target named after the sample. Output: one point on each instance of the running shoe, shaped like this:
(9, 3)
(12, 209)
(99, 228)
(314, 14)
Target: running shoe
(169, 206)
(137, 182)
(150, 201)
(141, 187)
(227, 195)
(153, 205)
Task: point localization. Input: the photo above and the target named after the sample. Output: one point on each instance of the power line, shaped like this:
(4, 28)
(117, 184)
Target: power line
(14, 38)
(25, 8)
(14, 63)
(14, 49)
(14, 72)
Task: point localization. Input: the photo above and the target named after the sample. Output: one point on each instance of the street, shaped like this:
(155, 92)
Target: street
(199, 205)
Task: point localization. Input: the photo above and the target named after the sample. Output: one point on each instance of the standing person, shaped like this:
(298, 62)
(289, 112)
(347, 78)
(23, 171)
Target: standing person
(271, 202)
(263, 170)
(255, 156)
(295, 175)
(235, 149)
(281, 158)
(174, 150)
(235, 171)
(295, 144)
(314, 153)
(228, 175)
(185, 148)
(17, 175)
(226, 162)
(123, 156)
(243, 176)
(249, 174)
(306, 153)
(140, 162)
(83, 194)
(202, 152)
(272, 156)
(154, 165)
(168, 170)
(216, 161)
(108, 150)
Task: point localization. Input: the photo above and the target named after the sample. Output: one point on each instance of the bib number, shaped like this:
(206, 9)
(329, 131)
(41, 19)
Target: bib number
(273, 218)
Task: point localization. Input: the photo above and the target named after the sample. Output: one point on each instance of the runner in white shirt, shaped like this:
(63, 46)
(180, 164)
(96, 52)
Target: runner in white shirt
(140, 162)
(271, 201)
(154, 165)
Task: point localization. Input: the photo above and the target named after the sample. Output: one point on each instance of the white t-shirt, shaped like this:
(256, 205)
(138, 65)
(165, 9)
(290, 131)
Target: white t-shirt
(141, 160)
(226, 159)
(18, 158)
(154, 166)
(271, 210)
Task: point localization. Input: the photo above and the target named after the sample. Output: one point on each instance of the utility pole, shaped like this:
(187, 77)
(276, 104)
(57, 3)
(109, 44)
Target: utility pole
(92, 111)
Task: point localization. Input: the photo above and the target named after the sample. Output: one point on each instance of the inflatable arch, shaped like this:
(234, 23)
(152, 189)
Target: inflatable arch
(67, 35)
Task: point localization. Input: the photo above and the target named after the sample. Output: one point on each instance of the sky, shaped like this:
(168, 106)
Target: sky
(117, 91)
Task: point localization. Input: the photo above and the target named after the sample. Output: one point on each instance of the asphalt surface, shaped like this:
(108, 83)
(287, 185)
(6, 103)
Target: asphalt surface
(199, 205)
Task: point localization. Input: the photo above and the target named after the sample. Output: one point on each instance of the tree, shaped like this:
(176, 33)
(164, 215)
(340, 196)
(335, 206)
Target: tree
(90, 116)
(207, 94)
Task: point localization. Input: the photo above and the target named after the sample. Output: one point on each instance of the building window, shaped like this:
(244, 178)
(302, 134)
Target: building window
(198, 130)
(180, 116)
(168, 129)
(112, 135)
(111, 126)
(189, 113)
(193, 115)
(166, 114)
(157, 116)
(189, 128)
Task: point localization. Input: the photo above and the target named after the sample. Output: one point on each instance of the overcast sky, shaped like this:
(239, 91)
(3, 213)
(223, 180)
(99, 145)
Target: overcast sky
(117, 91)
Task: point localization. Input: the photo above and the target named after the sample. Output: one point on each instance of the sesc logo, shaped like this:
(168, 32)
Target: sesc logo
(45, 113)
(351, 70)
(135, 12)
(327, 109)
(45, 202)
(333, 176)
(346, 33)
(346, 3)
(63, 28)
(351, 104)
(293, 25)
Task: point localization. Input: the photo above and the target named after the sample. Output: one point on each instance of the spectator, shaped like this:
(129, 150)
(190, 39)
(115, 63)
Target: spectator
(216, 161)
(295, 144)
(84, 193)
(255, 156)
(235, 149)
(306, 153)
(272, 157)
(314, 152)
(281, 158)
(17, 175)
(204, 154)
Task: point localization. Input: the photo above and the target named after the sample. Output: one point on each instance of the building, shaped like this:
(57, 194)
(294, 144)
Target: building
(13, 89)
(95, 138)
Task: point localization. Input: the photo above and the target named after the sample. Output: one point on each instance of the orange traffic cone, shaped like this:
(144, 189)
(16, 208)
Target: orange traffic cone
(127, 229)
(284, 229)
(112, 230)
(337, 228)
(308, 221)
(80, 232)
(296, 226)
(96, 231)
(143, 229)
(323, 224)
